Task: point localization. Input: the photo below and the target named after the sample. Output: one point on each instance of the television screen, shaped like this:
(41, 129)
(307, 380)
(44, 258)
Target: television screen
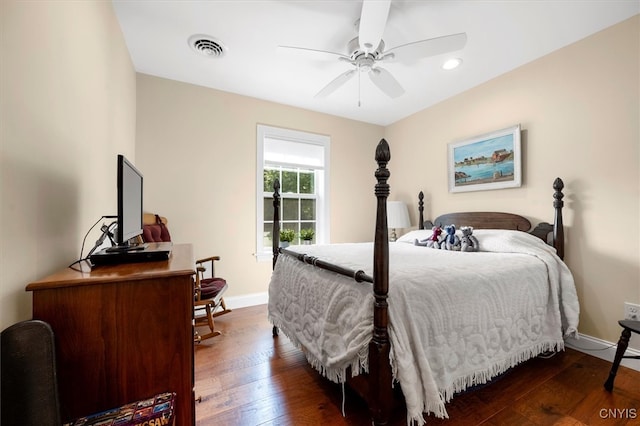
(129, 202)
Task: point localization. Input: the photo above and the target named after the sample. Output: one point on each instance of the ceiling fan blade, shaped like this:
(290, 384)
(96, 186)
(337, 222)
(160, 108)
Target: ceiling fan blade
(429, 47)
(335, 84)
(311, 53)
(373, 20)
(386, 82)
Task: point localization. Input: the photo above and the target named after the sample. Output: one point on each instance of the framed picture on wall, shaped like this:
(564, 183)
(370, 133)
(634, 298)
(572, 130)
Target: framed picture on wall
(489, 161)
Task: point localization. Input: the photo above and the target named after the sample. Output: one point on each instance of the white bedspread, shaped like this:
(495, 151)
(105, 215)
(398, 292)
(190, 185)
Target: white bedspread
(456, 319)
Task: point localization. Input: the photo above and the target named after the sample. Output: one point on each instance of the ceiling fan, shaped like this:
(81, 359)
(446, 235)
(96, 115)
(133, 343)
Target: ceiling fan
(367, 51)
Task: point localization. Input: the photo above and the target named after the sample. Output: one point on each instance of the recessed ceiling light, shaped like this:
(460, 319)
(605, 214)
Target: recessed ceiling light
(452, 63)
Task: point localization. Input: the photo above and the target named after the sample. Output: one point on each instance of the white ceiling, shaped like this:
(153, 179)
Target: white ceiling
(502, 35)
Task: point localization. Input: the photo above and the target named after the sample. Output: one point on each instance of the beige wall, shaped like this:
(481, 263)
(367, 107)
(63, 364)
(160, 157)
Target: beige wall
(67, 107)
(578, 108)
(197, 150)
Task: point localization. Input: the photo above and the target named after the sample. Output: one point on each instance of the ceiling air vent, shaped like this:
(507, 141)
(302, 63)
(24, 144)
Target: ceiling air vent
(206, 46)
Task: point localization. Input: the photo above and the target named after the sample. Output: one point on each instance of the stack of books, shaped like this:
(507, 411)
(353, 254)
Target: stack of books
(155, 411)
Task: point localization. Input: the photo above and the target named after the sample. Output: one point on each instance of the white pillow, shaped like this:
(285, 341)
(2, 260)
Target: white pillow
(418, 234)
(507, 241)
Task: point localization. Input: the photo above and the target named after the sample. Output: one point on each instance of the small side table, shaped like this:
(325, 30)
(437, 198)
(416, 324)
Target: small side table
(628, 326)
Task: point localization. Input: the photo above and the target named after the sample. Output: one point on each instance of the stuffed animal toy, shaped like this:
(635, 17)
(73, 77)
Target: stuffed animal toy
(433, 241)
(468, 242)
(451, 240)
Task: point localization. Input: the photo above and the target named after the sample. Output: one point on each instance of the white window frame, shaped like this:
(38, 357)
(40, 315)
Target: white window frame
(322, 183)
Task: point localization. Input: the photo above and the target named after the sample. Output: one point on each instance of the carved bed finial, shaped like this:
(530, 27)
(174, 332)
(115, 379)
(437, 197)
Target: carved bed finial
(558, 185)
(383, 153)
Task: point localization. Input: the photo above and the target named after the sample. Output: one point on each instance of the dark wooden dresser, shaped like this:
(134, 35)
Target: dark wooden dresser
(123, 333)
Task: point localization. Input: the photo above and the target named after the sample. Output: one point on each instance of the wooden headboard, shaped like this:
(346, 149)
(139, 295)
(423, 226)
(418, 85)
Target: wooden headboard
(485, 220)
(552, 234)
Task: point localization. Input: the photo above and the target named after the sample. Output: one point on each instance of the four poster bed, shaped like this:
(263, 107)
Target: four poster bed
(437, 321)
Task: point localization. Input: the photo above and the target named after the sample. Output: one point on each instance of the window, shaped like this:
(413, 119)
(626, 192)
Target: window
(301, 162)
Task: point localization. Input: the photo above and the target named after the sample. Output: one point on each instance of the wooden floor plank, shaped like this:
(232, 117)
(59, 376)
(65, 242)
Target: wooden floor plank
(246, 377)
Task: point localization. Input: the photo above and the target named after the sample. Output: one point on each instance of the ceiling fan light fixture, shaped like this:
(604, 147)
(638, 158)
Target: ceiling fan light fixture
(451, 64)
(364, 59)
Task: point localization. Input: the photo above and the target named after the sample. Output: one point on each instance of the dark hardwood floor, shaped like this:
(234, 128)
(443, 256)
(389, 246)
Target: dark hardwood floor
(246, 377)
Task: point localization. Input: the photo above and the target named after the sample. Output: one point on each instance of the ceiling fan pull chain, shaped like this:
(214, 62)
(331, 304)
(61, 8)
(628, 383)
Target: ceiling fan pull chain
(359, 85)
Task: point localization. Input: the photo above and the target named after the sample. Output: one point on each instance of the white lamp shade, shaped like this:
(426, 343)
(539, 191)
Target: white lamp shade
(397, 215)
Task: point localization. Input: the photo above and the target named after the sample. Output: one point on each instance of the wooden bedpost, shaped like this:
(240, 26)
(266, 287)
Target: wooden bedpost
(558, 226)
(380, 385)
(275, 233)
(421, 210)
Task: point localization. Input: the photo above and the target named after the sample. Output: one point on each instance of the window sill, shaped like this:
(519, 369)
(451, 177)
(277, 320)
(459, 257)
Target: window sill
(264, 257)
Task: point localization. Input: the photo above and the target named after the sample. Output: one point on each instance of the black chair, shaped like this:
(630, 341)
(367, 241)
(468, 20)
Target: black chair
(628, 326)
(29, 391)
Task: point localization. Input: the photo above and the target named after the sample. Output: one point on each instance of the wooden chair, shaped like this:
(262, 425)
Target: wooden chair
(154, 228)
(208, 288)
(208, 296)
(628, 326)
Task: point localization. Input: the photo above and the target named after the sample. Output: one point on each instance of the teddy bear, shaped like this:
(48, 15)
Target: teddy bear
(433, 241)
(451, 240)
(468, 242)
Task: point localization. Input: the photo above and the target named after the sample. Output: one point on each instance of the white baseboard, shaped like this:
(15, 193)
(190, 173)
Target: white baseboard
(603, 350)
(236, 302)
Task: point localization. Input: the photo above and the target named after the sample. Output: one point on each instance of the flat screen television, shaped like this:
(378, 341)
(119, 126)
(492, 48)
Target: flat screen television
(129, 204)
